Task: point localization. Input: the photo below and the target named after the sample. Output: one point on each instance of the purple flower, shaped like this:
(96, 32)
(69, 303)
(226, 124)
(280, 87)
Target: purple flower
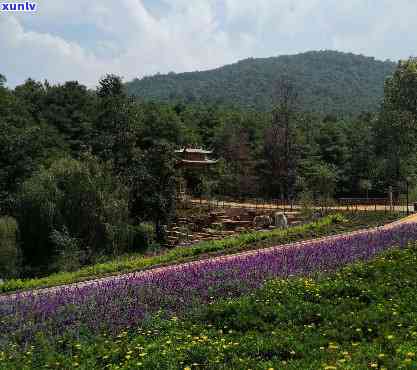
(120, 302)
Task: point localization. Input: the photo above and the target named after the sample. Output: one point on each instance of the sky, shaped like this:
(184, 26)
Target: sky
(85, 39)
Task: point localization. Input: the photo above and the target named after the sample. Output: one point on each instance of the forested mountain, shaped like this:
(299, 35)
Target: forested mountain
(327, 82)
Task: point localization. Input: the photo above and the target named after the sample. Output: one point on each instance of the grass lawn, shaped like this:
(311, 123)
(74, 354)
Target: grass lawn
(362, 316)
(326, 226)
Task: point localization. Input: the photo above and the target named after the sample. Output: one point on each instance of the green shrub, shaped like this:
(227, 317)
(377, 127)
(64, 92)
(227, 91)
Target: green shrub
(8, 247)
(143, 236)
(82, 198)
(306, 200)
(69, 255)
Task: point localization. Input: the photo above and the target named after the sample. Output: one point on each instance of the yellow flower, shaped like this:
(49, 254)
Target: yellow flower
(187, 368)
(390, 337)
(410, 354)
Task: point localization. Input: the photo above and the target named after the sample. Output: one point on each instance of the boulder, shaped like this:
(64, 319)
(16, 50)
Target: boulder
(262, 221)
(280, 220)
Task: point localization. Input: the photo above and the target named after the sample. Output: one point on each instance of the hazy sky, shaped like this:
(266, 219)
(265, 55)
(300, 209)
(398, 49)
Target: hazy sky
(85, 39)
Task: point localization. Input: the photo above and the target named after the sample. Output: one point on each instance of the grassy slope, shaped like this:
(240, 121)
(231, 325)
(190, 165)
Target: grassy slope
(326, 226)
(363, 316)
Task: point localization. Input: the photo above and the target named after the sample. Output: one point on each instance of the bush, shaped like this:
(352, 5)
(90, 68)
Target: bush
(306, 200)
(72, 202)
(69, 255)
(143, 236)
(8, 247)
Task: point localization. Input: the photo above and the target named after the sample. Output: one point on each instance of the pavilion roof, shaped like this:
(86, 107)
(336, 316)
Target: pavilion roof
(207, 161)
(194, 150)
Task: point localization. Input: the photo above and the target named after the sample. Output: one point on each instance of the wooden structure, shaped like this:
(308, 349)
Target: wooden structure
(194, 158)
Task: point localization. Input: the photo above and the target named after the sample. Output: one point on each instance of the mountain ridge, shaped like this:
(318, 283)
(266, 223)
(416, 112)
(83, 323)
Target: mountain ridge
(329, 82)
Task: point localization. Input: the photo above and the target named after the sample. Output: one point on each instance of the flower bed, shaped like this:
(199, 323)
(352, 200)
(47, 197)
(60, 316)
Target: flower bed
(124, 302)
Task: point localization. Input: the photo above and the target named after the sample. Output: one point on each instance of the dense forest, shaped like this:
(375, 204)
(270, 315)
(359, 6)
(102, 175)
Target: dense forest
(86, 174)
(329, 82)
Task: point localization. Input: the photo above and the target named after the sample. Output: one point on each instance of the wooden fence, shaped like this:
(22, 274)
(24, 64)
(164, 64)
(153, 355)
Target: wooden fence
(345, 204)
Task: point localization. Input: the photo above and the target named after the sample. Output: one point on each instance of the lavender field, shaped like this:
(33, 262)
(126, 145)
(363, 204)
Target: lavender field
(120, 303)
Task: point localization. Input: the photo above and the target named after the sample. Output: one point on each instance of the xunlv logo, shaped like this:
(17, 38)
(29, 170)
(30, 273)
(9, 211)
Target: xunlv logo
(18, 7)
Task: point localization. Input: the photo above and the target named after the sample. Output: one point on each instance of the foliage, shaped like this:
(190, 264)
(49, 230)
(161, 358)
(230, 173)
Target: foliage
(396, 129)
(319, 178)
(153, 187)
(110, 86)
(69, 108)
(281, 152)
(69, 255)
(81, 198)
(9, 252)
(24, 145)
(144, 237)
(328, 82)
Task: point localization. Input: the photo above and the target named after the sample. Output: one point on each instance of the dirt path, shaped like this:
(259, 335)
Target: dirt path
(410, 219)
(272, 206)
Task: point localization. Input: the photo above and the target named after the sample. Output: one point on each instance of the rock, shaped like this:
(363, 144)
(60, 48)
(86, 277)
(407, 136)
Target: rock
(280, 220)
(262, 221)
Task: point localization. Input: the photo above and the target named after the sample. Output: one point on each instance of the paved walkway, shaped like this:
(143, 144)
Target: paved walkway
(410, 219)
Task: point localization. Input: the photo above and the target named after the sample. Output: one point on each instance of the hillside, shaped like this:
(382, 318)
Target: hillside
(327, 81)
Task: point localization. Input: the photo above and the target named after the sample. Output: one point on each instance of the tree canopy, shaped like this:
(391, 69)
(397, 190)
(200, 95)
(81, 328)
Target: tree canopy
(327, 82)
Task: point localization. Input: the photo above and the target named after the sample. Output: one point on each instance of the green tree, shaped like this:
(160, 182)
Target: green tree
(32, 95)
(24, 143)
(396, 129)
(69, 108)
(152, 180)
(3, 81)
(110, 86)
(114, 121)
(319, 178)
(79, 199)
(280, 152)
(365, 185)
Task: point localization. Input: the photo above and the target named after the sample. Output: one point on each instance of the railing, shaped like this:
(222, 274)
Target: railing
(346, 204)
